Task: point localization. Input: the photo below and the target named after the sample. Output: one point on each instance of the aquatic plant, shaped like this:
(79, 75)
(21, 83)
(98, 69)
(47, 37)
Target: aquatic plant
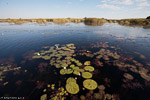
(82, 97)
(87, 63)
(76, 72)
(101, 87)
(98, 96)
(108, 96)
(4, 68)
(128, 76)
(72, 87)
(90, 84)
(66, 71)
(64, 65)
(53, 86)
(70, 79)
(89, 68)
(43, 97)
(86, 75)
(72, 66)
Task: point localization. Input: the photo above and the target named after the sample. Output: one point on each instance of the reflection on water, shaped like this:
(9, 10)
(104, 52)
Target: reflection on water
(119, 55)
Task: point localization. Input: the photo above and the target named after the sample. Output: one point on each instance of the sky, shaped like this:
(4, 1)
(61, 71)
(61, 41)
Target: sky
(110, 9)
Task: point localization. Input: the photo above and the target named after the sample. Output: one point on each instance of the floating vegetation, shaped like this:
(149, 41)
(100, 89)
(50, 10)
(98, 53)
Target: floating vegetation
(98, 96)
(44, 97)
(60, 94)
(89, 68)
(71, 79)
(87, 63)
(71, 86)
(128, 76)
(108, 96)
(101, 87)
(86, 75)
(66, 71)
(64, 58)
(76, 72)
(4, 68)
(90, 84)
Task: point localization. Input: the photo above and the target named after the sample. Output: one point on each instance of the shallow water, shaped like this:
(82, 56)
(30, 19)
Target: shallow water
(19, 42)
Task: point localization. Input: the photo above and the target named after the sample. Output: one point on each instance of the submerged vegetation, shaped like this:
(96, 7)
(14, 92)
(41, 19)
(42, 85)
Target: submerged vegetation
(64, 58)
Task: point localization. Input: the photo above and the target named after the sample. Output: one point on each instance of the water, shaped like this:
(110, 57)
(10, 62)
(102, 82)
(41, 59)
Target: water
(19, 42)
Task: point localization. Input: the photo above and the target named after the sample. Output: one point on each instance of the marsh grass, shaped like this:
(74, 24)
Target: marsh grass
(88, 21)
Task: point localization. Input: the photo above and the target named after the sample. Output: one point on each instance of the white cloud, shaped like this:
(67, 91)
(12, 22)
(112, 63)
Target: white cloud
(144, 4)
(140, 0)
(124, 2)
(127, 2)
(108, 6)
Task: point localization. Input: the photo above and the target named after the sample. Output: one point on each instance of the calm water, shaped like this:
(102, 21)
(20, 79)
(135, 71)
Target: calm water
(19, 42)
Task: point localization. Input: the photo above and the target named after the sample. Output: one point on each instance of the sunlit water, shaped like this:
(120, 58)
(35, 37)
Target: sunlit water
(17, 41)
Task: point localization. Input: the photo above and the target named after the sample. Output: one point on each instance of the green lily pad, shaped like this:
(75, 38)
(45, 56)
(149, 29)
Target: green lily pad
(76, 72)
(66, 71)
(89, 68)
(70, 79)
(75, 68)
(71, 66)
(72, 87)
(86, 75)
(64, 65)
(87, 63)
(43, 97)
(90, 84)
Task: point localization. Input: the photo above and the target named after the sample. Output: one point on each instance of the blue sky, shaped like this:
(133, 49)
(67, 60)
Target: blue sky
(111, 9)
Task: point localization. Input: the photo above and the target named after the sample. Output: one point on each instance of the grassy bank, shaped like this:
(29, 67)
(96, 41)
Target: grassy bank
(132, 22)
(95, 21)
(58, 20)
(88, 21)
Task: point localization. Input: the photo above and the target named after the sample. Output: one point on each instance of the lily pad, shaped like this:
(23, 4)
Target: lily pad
(86, 75)
(70, 79)
(98, 95)
(64, 65)
(101, 87)
(89, 68)
(72, 87)
(44, 97)
(76, 72)
(66, 71)
(71, 66)
(90, 84)
(128, 76)
(87, 63)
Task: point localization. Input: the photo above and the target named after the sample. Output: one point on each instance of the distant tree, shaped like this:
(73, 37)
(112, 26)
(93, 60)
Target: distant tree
(148, 17)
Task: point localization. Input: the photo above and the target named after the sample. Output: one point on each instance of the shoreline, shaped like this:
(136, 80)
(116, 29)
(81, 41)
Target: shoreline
(140, 22)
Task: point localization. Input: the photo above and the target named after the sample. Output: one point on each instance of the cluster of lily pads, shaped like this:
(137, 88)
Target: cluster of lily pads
(100, 95)
(60, 93)
(63, 57)
(121, 62)
(4, 68)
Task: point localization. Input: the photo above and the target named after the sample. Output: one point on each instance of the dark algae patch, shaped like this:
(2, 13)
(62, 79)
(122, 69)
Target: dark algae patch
(92, 67)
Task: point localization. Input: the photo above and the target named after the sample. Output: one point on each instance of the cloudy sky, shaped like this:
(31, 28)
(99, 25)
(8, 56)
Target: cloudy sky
(112, 9)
